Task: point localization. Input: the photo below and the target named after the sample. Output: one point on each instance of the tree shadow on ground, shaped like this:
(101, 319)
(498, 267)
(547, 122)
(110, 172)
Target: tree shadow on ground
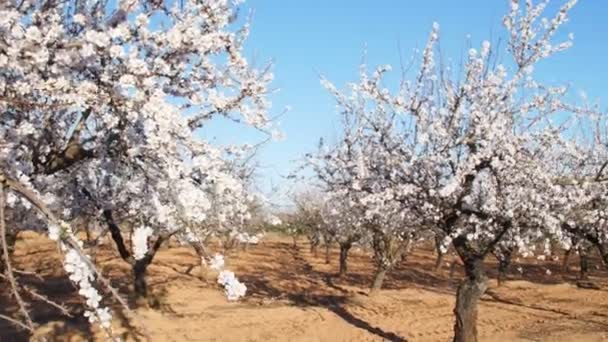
(302, 285)
(58, 289)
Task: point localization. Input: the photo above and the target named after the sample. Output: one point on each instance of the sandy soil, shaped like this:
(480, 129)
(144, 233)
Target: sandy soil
(295, 296)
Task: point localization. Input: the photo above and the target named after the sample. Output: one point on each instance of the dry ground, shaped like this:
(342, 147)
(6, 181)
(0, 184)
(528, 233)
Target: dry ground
(294, 296)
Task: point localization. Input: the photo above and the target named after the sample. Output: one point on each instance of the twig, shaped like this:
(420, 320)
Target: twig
(70, 241)
(41, 297)
(38, 276)
(9, 267)
(16, 322)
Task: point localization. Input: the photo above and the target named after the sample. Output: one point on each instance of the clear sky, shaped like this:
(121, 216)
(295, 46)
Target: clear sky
(311, 37)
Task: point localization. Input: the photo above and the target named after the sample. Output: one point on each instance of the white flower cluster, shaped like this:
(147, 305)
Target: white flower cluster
(273, 220)
(249, 238)
(217, 262)
(140, 241)
(234, 289)
(80, 273)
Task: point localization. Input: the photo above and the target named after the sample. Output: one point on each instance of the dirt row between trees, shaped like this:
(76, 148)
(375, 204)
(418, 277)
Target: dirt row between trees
(294, 296)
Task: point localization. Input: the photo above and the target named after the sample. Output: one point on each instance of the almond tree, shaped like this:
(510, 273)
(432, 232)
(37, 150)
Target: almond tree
(473, 145)
(336, 169)
(342, 223)
(308, 216)
(580, 171)
(101, 106)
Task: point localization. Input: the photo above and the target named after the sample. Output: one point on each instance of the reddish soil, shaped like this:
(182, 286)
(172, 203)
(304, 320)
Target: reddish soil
(294, 296)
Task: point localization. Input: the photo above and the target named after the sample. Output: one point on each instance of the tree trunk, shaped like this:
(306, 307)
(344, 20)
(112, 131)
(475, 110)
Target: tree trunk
(603, 254)
(327, 253)
(584, 262)
(139, 279)
(378, 280)
(438, 261)
(503, 267)
(140, 266)
(313, 250)
(504, 261)
(567, 254)
(453, 267)
(600, 247)
(202, 255)
(344, 248)
(469, 291)
(440, 254)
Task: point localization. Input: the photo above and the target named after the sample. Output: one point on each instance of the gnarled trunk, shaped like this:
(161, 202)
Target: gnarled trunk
(344, 248)
(140, 285)
(388, 251)
(469, 291)
(140, 266)
(378, 280)
(471, 288)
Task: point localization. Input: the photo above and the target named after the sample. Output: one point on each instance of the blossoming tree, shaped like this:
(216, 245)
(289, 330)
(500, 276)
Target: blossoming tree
(469, 147)
(101, 108)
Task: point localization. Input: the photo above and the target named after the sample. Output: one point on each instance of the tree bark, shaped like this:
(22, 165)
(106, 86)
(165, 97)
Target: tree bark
(567, 254)
(202, 255)
(603, 254)
(344, 248)
(141, 266)
(138, 267)
(503, 267)
(584, 262)
(295, 241)
(440, 254)
(504, 261)
(140, 285)
(378, 280)
(453, 267)
(438, 261)
(470, 290)
(314, 250)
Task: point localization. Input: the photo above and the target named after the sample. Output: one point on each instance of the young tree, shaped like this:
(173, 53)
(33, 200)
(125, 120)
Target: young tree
(308, 216)
(342, 222)
(336, 170)
(580, 172)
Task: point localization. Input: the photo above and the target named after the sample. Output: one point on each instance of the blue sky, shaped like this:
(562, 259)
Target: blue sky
(305, 38)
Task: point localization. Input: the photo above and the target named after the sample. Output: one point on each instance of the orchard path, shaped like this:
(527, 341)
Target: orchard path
(295, 296)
